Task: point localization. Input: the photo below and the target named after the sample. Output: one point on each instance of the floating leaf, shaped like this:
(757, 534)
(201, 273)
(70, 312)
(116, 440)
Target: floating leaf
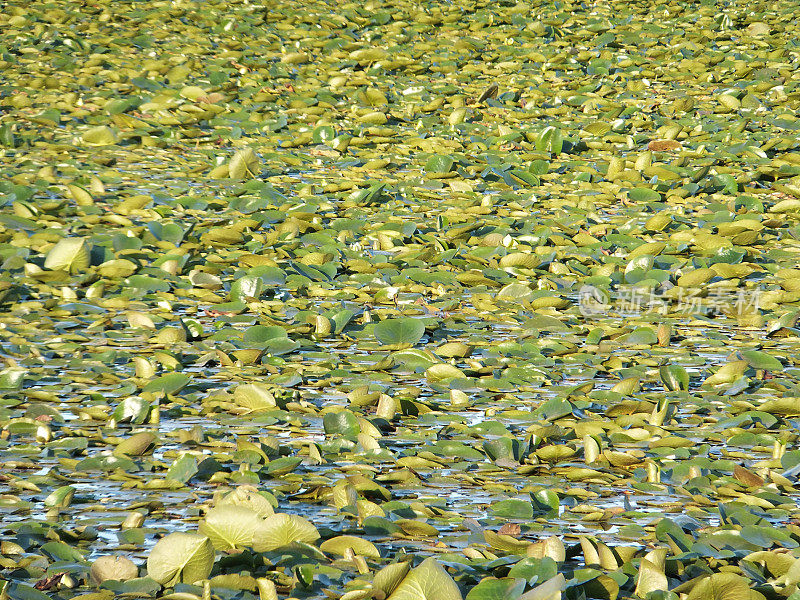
(136, 445)
(552, 588)
(254, 396)
(133, 409)
(651, 577)
(340, 545)
(172, 383)
(674, 377)
(117, 568)
(399, 331)
(249, 497)
(644, 195)
(280, 530)
(60, 497)
(69, 254)
(342, 422)
(497, 589)
(180, 558)
(244, 163)
(428, 581)
(247, 287)
(513, 509)
(230, 527)
(761, 360)
(389, 577)
(182, 469)
(100, 136)
(439, 164)
(722, 586)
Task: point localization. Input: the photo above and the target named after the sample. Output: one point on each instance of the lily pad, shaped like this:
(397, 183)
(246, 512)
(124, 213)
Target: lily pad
(180, 558)
(279, 530)
(399, 331)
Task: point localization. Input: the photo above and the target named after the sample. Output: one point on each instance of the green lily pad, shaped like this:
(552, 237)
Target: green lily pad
(180, 558)
(427, 581)
(69, 254)
(342, 422)
(280, 530)
(399, 331)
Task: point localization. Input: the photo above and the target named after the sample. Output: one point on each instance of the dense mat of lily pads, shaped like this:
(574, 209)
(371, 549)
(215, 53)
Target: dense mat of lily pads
(402, 300)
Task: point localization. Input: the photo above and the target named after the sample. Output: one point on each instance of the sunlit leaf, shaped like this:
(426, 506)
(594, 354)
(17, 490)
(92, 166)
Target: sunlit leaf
(180, 557)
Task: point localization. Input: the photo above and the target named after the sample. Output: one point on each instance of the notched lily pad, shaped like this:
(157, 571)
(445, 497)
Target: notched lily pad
(180, 558)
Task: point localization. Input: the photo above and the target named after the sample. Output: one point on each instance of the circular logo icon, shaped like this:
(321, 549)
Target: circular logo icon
(592, 301)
